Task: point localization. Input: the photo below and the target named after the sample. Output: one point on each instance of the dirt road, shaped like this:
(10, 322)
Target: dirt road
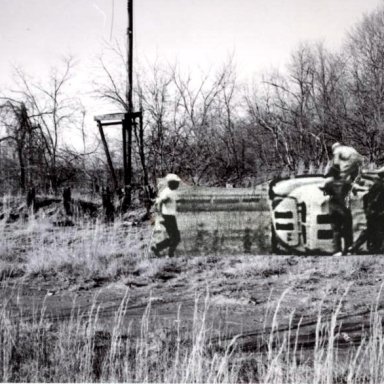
(244, 292)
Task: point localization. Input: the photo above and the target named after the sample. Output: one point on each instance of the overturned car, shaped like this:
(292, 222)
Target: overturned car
(301, 223)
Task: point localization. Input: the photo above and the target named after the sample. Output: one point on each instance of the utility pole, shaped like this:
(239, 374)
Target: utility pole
(127, 124)
(129, 55)
(126, 119)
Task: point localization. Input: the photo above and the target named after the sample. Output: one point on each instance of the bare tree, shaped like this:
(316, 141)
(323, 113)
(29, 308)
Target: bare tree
(54, 111)
(36, 117)
(19, 132)
(366, 86)
(305, 110)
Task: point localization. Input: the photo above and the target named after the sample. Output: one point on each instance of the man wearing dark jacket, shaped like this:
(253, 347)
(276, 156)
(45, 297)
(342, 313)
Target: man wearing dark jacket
(374, 212)
(338, 189)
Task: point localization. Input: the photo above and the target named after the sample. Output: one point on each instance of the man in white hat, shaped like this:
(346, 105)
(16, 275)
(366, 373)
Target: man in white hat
(167, 206)
(346, 160)
(374, 212)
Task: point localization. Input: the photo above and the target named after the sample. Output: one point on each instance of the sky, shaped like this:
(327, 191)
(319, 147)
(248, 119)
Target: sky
(260, 34)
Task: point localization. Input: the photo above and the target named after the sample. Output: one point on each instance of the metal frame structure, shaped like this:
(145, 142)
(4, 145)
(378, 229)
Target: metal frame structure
(127, 121)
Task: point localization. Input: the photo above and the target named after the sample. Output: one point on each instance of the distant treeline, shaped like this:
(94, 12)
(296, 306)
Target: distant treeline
(211, 131)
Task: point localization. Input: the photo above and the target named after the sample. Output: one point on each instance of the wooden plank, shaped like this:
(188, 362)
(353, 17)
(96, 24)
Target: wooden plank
(110, 116)
(116, 116)
(111, 123)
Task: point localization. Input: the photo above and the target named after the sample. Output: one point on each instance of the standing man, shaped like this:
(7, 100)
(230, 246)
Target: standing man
(167, 206)
(374, 212)
(346, 161)
(338, 189)
(345, 167)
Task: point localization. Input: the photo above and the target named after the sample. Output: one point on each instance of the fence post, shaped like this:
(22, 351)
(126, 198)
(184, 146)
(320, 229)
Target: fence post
(67, 201)
(108, 208)
(31, 197)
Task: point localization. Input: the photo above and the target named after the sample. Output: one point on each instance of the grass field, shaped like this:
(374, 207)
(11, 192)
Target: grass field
(87, 303)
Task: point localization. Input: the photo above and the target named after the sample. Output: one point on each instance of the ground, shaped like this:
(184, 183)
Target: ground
(51, 272)
(243, 292)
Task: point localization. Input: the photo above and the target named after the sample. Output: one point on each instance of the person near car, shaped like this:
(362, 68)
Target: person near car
(344, 169)
(373, 202)
(167, 206)
(338, 189)
(346, 162)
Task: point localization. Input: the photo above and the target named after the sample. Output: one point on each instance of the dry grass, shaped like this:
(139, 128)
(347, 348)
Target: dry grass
(86, 250)
(328, 363)
(77, 350)
(81, 349)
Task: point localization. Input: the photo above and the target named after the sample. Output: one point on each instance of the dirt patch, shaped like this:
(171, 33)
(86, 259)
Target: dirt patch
(245, 303)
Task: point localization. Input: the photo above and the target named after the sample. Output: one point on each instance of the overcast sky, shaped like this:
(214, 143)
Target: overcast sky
(198, 33)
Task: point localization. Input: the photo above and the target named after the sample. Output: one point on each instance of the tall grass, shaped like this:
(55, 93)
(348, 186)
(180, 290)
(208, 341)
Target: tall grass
(335, 357)
(89, 249)
(79, 349)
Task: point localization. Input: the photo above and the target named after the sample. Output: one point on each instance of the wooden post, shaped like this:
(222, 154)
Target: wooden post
(67, 201)
(129, 55)
(147, 190)
(125, 163)
(108, 207)
(126, 202)
(31, 197)
(109, 160)
(129, 118)
(129, 160)
(141, 146)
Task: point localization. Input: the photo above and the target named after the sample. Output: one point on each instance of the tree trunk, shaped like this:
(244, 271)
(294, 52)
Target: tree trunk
(22, 169)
